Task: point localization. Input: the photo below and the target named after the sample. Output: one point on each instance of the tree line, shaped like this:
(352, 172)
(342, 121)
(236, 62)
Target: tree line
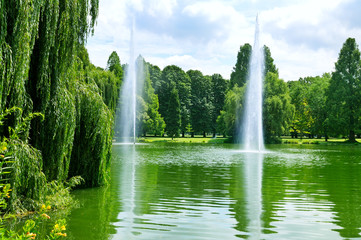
(190, 102)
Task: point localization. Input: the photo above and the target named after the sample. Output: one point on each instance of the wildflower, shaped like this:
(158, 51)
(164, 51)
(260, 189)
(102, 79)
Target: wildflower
(31, 235)
(45, 215)
(61, 234)
(48, 207)
(63, 228)
(43, 207)
(3, 149)
(2, 156)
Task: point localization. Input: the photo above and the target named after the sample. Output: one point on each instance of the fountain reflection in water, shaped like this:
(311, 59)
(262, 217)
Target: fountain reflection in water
(253, 171)
(127, 216)
(252, 132)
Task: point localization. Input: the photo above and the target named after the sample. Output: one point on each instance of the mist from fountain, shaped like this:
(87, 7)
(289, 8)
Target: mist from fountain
(252, 129)
(128, 103)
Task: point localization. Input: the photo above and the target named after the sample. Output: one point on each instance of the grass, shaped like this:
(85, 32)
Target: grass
(187, 139)
(289, 140)
(220, 140)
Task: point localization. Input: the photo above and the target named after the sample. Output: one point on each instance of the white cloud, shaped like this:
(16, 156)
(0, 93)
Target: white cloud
(304, 36)
(163, 8)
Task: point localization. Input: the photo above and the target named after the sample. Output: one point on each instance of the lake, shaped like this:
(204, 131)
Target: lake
(204, 191)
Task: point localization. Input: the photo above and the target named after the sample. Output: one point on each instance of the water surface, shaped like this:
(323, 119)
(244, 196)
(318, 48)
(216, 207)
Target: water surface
(201, 191)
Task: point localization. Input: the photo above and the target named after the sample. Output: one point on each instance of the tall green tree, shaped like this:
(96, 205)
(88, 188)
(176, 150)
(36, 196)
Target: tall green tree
(344, 93)
(240, 71)
(173, 74)
(149, 118)
(268, 61)
(155, 76)
(317, 101)
(174, 118)
(228, 120)
(277, 108)
(219, 88)
(201, 97)
(114, 65)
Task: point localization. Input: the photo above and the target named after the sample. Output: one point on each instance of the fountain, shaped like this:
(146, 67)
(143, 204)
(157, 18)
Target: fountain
(252, 134)
(127, 131)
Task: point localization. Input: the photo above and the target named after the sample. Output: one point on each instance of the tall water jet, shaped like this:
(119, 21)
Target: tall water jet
(252, 134)
(128, 103)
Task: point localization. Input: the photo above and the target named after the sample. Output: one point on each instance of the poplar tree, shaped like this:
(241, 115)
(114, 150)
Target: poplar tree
(344, 93)
(174, 118)
(240, 71)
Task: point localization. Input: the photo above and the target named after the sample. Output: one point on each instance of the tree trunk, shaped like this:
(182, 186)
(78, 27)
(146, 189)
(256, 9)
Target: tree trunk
(204, 134)
(192, 134)
(214, 135)
(183, 134)
(351, 137)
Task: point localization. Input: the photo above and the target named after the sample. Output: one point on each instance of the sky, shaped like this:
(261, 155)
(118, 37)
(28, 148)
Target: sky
(304, 36)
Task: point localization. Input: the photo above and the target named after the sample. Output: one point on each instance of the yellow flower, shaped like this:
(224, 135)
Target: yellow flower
(2, 156)
(48, 207)
(56, 227)
(61, 234)
(63, 228)
(3, 149)
(42, 206)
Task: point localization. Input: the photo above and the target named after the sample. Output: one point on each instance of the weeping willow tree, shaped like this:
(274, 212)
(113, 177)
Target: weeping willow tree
(40, 71)
(63, 27)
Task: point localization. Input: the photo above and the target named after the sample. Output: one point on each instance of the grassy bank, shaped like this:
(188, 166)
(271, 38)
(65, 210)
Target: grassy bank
(196, 139)
(289, 140)
(200, 139)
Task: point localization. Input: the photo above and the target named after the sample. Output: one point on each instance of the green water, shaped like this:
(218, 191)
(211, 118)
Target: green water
(179, 191)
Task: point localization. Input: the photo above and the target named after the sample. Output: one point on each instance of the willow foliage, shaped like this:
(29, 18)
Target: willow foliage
(93, 135)
(28, 181)
(40, 72)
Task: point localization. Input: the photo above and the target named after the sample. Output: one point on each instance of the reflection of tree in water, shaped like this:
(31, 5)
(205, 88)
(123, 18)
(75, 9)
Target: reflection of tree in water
(343, 184)
(237, 192)
(336, 180)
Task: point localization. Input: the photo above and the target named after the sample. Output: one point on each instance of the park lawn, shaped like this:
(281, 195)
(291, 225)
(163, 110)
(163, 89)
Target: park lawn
(200, 139)
(195, 139)
(289, 140)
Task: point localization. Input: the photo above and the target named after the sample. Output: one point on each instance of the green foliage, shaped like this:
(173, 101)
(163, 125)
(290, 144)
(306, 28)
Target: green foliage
(233, 106)
(240, 72)
(109, 85)
(311, 112)
(155, 76)
(219, 89)
(269, 62)
(90, 155)
(174, 120)
(27, 181)
(344, 93)
(201, 99)
(149, 120)
(277, 107)
(114, 65)
(48, 84)
(173, 74)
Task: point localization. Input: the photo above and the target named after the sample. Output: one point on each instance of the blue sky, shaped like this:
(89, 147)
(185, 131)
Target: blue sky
(304, 37)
